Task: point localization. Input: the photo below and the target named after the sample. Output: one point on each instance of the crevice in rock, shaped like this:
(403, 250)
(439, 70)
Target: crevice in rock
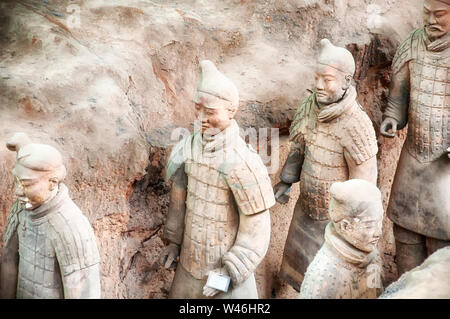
(123, 272)
(152, 235)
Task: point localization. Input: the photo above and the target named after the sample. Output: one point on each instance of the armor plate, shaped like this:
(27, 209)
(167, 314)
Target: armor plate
(429, 108)
(211, 220)
(325, 163)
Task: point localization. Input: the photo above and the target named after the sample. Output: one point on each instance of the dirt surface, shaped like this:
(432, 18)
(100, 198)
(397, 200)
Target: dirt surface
(107, 83)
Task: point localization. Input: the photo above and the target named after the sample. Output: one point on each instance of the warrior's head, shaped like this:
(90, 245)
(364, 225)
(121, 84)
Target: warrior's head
(436, 18)
(38, 171)
(216, 101)
(334, 72)
(357, 212)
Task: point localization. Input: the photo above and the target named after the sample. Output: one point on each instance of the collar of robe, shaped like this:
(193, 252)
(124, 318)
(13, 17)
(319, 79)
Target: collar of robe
(212, 146)
(347, 251)
(50, 205)
(330, 112)
(438, 45)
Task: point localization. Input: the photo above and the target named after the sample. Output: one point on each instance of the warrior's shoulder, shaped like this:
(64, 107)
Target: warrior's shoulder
(357, 117)
(73, 238)
(301, 114)
(178, 156)
(358, 135)
(12, 222)
(411, 39)
(407, 49)
(249, 181)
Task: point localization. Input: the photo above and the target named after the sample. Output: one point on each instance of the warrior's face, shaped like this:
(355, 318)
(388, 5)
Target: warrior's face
(436, 18)
(213, 113)
(363, 231)
(33, 188)
(330, 84)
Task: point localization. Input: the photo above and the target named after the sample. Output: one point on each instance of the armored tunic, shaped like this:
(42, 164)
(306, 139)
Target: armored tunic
(341, 271)
(420, 199)
(56, 242)
(225, 179)
(327, 138)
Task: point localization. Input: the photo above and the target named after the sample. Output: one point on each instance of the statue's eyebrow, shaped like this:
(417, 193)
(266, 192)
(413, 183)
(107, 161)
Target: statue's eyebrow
(440, 10)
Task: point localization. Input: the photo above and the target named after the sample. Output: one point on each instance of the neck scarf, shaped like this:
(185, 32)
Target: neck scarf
(50, 205)
(309, 113)
(438, 45)
(348, 252)
(219, 144)
(330, 112)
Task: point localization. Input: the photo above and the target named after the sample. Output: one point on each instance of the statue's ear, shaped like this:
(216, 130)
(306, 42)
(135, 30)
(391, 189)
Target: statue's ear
(53, 183)
(231, 112)
(345, 225)
(348, 81)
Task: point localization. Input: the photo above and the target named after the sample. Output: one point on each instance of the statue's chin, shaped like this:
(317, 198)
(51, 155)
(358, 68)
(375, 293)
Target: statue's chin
(435, 34)
(323, 101)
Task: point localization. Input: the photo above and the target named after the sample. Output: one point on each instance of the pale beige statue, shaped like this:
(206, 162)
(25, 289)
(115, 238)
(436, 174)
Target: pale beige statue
(419, 96)
(218, 221)
(348, 266)
(430, 280)
(332, 140)
(49, 245)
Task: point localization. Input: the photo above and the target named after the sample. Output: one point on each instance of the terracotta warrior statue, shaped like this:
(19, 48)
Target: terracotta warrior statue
(430, 280)
(49, 246)
(332, 140)
(218, 220)
(420, 97)
(348, 265)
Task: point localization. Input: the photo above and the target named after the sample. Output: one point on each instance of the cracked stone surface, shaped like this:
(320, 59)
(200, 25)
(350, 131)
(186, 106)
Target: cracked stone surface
(109, 91)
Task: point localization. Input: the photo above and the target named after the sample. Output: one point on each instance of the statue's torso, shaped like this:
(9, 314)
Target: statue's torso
(212, 218)
(39, 275)
(324, 164)
(429, 107)
(331, 277)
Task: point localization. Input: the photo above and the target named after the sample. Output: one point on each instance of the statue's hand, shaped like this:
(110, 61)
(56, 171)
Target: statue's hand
(388, 124)
(448, 152)
(281, 191)
(169, 254)
(210, 292)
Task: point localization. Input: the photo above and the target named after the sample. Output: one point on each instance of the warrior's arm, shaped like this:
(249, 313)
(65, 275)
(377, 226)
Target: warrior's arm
(250, 247)
(10, 255)
(9, 268)
(367, 170)
(173, 230)
(83, 284)
(398, 100)
(290, 173)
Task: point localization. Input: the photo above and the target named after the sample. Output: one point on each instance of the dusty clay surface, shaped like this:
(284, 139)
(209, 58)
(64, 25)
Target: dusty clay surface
(107, 83)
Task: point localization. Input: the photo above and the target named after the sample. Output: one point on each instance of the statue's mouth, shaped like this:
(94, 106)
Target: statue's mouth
(434, 28)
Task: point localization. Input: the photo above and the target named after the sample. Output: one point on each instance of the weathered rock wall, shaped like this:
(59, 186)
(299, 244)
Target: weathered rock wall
(106, 82)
